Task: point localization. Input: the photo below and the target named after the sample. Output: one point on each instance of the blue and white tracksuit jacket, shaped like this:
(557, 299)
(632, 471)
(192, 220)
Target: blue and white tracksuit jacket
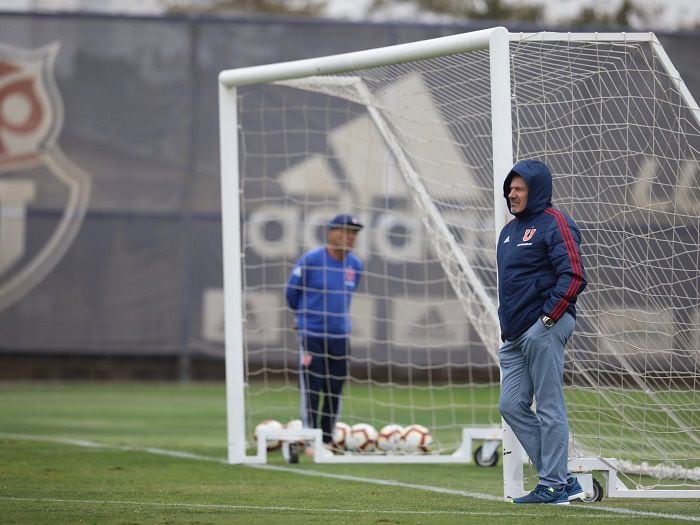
(319, 290)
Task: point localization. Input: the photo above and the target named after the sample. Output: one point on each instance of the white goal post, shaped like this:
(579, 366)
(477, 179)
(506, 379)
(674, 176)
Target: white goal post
(443, 120)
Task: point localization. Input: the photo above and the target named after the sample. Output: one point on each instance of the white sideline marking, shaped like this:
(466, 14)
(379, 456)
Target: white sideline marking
(617, 510)
(127, 448)
(622, 512)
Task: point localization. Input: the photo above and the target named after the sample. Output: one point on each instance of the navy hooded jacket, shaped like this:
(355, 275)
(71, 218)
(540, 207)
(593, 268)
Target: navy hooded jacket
(539, 258)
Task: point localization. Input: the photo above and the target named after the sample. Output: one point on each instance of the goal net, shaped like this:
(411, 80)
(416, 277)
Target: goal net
(615, 124)
(408, 141)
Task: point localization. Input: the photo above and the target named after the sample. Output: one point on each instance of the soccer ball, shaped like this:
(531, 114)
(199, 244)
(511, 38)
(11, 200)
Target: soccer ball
(295, 424)
(362, 438)
(269, 424)
(340, 434)
(389, 438)
(416, 439)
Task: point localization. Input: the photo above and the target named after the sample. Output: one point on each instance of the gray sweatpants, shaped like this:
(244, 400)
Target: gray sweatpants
(532, 366)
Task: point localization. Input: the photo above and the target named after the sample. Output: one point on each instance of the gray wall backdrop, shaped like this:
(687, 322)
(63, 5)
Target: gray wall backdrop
(140, 118)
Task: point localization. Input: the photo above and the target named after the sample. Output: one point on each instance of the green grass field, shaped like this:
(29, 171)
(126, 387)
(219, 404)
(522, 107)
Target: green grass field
(108, 453)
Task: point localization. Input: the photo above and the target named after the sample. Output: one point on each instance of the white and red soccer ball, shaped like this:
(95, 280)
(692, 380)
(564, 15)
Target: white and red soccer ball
(340, 434)
(416, 439)
(362, 438)
(295, 424)
(389, 438)
(269, 424)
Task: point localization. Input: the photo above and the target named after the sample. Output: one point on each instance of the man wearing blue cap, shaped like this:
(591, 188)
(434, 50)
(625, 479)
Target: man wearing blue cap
(319, 291)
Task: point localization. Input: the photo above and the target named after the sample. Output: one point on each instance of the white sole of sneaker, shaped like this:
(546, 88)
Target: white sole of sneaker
(579, 496)
(540, 503)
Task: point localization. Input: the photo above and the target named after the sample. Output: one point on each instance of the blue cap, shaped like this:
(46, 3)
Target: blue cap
(345, 220)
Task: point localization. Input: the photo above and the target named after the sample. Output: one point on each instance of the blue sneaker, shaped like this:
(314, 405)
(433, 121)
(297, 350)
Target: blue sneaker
(573, 490)
(543, 494)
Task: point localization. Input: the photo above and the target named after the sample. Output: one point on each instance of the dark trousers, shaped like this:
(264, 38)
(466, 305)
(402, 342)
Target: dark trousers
(324, 374)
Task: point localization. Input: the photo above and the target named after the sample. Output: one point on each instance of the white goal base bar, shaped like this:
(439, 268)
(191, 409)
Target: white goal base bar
(463, 455)
(615, 487)
(581, 467)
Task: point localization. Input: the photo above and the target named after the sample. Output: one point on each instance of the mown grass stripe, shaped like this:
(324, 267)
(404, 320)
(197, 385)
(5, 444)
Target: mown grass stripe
(272, 508)
(621, 512)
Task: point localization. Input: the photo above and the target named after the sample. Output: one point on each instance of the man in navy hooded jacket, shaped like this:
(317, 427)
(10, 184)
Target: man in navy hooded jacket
(540, 275)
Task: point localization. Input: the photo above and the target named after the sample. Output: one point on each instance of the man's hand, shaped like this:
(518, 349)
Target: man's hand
(305, 359)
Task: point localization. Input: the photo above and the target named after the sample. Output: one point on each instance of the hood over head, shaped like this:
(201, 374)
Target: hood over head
(539, 184)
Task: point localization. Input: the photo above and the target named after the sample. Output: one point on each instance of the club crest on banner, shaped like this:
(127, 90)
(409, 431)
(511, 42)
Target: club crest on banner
(36, 178)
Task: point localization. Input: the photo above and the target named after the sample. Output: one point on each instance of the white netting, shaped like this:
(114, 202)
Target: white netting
(624, 146)
(408, 148)
(347, 143)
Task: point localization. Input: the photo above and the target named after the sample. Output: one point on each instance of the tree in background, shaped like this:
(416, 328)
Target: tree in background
(269, 7)
(629, 13)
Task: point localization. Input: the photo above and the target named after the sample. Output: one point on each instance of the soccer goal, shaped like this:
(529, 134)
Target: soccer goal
(416, 140)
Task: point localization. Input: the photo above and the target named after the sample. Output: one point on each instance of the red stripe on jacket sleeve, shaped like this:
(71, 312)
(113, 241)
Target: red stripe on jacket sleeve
(574, 261)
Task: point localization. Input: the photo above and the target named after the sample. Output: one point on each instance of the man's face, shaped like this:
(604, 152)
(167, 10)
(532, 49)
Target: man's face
(518, 194)
(342, 238)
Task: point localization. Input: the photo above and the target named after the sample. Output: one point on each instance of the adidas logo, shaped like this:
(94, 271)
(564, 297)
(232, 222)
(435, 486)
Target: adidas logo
(507, 240)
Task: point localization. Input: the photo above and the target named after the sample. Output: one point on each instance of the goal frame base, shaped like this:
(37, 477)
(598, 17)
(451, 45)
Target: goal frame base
(314, 436)
(616, 488)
